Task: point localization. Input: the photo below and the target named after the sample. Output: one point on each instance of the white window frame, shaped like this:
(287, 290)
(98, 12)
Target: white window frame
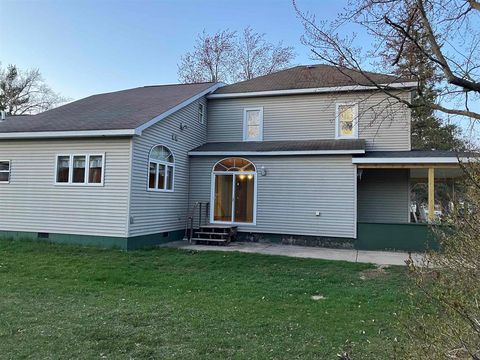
(87, 170)
(212, 194)
(9, 171)
(245, 124)
(202, 113)
(338, 134)
(166, 164)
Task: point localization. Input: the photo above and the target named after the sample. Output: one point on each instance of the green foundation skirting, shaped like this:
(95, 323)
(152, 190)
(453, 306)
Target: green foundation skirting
(370, 236)
(125, 243)
(405, 237)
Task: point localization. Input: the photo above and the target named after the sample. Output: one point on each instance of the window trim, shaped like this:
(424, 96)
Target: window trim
(202, 113)
(87, 170)
(165, 163)
(9, 171)
(245, 124)
(234, 173)
(354, 135)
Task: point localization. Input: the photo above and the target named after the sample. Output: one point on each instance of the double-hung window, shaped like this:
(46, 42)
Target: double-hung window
(346, 124)
(4, 171)
(201, 113)
(161, 169)
(253, 124)
(80, 169)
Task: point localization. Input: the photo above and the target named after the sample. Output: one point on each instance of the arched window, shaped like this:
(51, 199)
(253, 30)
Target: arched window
(234, 191)
(161, 169)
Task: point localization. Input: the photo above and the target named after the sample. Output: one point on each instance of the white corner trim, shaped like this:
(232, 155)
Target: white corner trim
(139, 130)
(312, 90)
(409, 160)
(274, 153)
(66, 134)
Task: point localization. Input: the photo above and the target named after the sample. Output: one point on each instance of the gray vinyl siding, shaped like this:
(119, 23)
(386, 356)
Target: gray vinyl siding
(31, 202)
(293, 189)
(383, 196)
(152, 211)
(384, 122)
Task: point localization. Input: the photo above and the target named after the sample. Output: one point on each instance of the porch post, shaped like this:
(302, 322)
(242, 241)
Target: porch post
(431, 194)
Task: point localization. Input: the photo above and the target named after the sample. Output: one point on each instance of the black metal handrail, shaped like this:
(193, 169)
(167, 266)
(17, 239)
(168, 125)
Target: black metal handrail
(190, 223)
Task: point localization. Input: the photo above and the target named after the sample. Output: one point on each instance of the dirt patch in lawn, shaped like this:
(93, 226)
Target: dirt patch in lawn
(379, 271)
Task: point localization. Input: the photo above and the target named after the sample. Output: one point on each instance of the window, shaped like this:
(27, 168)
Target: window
(4, 171)
(346, 121)
(201, 113)
(63, 169)
(253, 124)
(233, 194)
(161, 169)
(79, 169)
(95, 169)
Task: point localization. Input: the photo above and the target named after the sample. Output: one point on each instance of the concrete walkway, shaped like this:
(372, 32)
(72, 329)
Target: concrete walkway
(374, 257)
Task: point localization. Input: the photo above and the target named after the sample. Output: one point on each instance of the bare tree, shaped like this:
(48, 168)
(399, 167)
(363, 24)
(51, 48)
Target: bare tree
(257, 57)
(210, 60)
(25, 92)
(225, 56)
(445, 32)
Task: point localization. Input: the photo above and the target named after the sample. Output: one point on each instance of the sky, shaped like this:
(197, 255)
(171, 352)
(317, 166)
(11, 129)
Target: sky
(86, 47)
(83, 47)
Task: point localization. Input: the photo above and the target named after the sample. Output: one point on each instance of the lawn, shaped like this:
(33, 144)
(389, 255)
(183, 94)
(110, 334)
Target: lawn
(60, 301)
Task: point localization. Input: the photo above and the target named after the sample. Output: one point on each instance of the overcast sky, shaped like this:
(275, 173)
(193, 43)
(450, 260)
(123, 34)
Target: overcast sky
(84, 47)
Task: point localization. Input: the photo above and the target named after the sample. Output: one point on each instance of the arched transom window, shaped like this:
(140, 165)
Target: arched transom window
(234, 188)
(161, 169)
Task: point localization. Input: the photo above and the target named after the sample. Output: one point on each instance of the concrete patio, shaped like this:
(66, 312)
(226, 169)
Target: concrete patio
(351, 255)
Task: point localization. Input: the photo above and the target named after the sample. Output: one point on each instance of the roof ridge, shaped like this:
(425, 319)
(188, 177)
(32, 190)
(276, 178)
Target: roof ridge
(179, 84)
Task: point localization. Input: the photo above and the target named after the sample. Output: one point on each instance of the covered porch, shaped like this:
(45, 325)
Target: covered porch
(398, 197)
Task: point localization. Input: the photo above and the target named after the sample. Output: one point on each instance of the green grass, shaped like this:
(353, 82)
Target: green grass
(59, 301)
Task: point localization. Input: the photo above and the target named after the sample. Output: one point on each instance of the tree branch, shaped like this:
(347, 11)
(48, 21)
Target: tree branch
(451, 77)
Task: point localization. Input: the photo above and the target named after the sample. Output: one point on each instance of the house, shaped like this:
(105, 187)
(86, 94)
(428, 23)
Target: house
(304, 155)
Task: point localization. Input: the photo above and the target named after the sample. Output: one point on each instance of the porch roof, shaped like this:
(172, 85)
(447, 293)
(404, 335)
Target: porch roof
(290, 147)
(412, 158)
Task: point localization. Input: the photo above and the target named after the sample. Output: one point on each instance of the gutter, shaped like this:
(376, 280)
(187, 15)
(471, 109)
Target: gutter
(409, 160)
(67, 134)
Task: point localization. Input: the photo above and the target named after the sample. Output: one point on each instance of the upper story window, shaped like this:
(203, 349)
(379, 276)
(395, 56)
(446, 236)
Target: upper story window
(346, 124)
(161, 169)
(80, 169)
(4, 171)
(253, 124)
(201, 113)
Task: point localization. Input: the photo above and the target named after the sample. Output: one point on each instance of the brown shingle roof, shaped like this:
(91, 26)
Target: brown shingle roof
(310, 76)
(279, 146)
(119, 110)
